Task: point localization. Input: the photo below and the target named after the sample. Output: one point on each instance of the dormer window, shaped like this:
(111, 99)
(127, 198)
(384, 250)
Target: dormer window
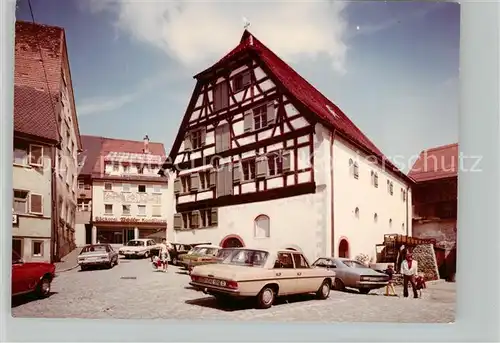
(241, 81)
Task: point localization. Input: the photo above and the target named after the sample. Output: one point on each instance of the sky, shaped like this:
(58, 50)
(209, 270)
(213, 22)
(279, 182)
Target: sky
(392, 67)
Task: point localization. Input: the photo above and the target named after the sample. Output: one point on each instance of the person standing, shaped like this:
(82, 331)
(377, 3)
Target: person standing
(389, 288)
(164, 255)
(409, 270)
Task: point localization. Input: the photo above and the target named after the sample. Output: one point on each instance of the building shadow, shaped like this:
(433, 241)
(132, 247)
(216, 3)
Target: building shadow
(20, 300)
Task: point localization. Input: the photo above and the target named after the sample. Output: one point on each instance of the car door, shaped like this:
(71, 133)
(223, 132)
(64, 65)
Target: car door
(285, 273)
(19, 284)
(111, 253)
(306, 280)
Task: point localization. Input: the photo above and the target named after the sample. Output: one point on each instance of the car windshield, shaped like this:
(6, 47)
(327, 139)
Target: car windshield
(135, 244)
(224, 253)
(206, 251)
(94, 248)
(247, 257)
(354, 264)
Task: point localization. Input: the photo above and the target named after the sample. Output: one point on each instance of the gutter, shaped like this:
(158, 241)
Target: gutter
(54, 213)
(332, 197)
(407, 212)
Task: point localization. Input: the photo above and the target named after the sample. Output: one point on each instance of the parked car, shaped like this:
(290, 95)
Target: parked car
(174, 250)
(263, 274)
(94, 255)
(199, 255)
(31, 277)
(353, 274)
(141, 247)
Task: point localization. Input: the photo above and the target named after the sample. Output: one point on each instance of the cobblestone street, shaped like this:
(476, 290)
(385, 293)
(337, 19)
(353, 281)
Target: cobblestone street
(133, 290)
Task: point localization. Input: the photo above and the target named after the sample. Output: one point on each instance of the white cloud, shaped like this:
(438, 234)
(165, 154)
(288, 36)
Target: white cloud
(101, 104)
(197, 33)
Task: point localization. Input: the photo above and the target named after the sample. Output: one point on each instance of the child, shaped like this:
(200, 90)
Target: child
(420, 284)
(390, 286)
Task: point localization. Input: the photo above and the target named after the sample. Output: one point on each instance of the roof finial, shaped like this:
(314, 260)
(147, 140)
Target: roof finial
(246, 23)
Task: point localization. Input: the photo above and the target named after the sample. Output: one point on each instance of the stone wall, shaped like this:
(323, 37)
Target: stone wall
(427, 263)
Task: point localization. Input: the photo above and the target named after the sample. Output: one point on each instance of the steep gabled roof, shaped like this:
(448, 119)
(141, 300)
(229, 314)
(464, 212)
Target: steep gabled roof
(32, 107)
(95, 148)
(436, 163)
(326, 111)
(29, 71)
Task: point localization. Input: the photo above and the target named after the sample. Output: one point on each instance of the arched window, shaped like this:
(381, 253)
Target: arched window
(375, 180)
(375, 217)
(391, 188)
(403, 227)
(262, 226)
(356, 212)
(356, 170)
(390, 222)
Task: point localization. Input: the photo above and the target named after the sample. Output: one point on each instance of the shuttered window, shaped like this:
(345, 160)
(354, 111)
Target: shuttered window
(20, 201)
(156, 210)
(241, 81)
(36, 203)
(260, 117)
(275, 164)
(248, 168)
(224, 181)
(222, 138)
(221, 96)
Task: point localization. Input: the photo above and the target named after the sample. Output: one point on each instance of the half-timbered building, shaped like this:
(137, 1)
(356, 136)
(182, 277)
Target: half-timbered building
(262, 158)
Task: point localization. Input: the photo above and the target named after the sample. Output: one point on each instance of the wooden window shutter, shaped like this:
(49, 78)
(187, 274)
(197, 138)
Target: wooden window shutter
(218, 138)
(224, 94)
(271, 113)
(187, 142)
(226, 137)
(215, 216)
(177, 186)
(177, 221)
(195, 219)
(246, 78)
(228, 181)
(212, 178)
(248, 121)
(236, 173)
(261, 168)
(203, 136)
(220, 181)
(286, 157)
(36, 205)
(195, 182)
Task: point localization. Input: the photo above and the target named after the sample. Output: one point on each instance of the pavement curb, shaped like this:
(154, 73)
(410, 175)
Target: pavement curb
(66, 269)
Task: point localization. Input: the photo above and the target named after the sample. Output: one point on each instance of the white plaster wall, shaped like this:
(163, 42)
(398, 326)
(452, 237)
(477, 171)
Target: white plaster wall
(292, 224)
(80, 235)
(364, 233)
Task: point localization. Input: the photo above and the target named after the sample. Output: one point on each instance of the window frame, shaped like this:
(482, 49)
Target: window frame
(41, 203)
(274, 164)
(33, 242)
(249, 169)
(106, 184)
(139, 214)
(259, 115)
(129, 210)
(25, 158)
(156, 190)
(153, 212)
(38, 163)
(26, 200)
(139, 189)
(112, 210)
(126, 189)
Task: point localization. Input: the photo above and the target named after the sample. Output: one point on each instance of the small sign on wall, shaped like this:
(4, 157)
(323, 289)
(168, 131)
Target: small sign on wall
(15, 219)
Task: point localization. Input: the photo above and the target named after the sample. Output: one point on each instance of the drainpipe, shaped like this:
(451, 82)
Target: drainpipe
(54, 214)
(332, 138)
(407, 211)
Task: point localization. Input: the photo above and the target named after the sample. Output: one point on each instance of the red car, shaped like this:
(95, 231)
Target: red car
(28, 277)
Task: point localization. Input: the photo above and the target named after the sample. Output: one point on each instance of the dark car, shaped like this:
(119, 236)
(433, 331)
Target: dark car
(31, 277)
(176, 250)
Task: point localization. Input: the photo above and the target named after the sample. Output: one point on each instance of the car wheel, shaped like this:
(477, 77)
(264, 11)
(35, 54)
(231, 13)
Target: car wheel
(174, 261)
(324, 290)
(116, 262)
(339, 285)
(43, 288)
(83, 268)
(364, 290)
(110, 265)
(265, 298)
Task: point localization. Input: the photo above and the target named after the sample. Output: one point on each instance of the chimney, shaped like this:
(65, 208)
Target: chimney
(146, 145)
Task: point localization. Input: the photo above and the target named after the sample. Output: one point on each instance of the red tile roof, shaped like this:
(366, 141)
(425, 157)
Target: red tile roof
(328, 113)
(436, 163)
(96, 148)
(39, 53)
(31, 107)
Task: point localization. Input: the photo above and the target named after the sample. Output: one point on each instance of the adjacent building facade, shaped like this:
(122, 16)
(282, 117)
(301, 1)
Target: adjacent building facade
(263, 159)
(435, 199)
(44, 102)
(122, 197)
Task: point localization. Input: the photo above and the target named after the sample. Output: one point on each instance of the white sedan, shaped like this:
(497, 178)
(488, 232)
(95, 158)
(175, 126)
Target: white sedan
(138, 248)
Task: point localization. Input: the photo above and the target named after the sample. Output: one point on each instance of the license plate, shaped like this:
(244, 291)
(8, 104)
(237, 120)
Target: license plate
(92, 258)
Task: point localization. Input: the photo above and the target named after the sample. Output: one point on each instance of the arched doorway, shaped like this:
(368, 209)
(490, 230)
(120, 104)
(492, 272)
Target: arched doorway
(232, 241)
(291, 249)
(344, 248)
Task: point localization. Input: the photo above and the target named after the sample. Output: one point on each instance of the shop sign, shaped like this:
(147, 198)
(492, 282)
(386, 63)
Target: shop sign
(15, 219)
(130, 220)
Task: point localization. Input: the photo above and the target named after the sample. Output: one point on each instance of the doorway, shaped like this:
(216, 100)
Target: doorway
(344, 248)
(232, 241)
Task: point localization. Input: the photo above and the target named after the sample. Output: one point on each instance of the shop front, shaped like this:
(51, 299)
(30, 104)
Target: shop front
(121, 230)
